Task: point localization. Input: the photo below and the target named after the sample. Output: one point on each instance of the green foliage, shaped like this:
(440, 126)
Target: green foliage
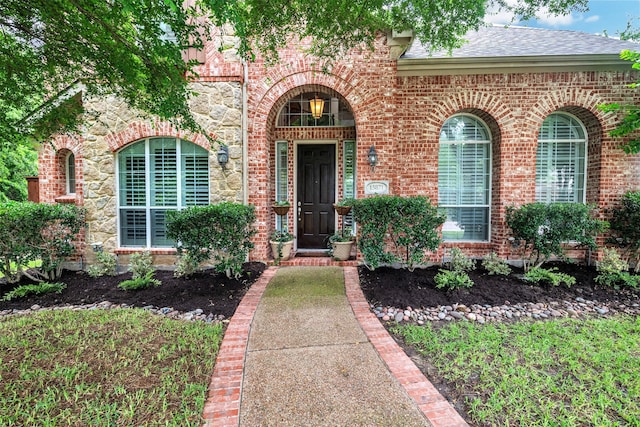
(220, 232)
(460, 262)
(495, 265)
(625, 227)
(142, 273)
(456, 276)
(614, 271)
(546, 228)
(105, 264)
(33, 231)
(122, 47)
(396, 229)
(140, 282)
(16, 162)
(630, 122)
(452, 279)
(34, 289)
(186, 265)
(550, 276)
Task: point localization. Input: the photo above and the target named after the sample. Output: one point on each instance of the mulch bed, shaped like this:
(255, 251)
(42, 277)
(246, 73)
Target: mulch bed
(212, 292)
(401, 288)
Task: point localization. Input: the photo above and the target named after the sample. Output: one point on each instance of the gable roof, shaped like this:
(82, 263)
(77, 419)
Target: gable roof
(498, 49)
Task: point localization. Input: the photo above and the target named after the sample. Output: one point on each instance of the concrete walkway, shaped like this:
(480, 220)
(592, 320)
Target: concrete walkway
(316, 356)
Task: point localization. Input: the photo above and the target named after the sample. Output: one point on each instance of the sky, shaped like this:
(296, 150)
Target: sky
(603, 15)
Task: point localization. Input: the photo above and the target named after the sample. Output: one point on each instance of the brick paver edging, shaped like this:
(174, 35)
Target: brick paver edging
(222, 408)
(435, 407)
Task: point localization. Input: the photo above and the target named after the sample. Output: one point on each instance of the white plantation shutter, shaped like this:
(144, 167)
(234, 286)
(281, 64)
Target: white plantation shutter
(561, 160)
(155, 175)
(349, 179)
(195, 174)
(464, 176)
(164, 172)
(282, 180)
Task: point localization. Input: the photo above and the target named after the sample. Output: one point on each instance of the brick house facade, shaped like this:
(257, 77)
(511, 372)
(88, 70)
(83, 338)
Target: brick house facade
(396, 99)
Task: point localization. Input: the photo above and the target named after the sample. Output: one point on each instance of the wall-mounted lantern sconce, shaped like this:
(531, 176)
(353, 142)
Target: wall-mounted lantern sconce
(223, 156)
(97, 247)
(317, 107)
(373, 158)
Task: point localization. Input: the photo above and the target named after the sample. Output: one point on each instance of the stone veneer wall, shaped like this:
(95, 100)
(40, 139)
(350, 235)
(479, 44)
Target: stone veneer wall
(113, 125)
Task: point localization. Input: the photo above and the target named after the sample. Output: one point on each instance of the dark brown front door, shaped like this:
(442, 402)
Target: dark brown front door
(316, 195)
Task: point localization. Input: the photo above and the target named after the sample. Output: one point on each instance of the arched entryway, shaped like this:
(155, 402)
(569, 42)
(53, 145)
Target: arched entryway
(312, 140)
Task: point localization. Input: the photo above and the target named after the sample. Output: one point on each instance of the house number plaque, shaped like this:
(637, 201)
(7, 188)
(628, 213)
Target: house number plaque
(376, 187)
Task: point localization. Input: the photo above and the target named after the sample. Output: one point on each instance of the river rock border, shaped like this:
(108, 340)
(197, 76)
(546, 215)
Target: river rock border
(169, 312)
(578, 308)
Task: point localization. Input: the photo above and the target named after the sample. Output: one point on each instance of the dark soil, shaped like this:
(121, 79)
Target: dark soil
(417, 289)
(212, 292)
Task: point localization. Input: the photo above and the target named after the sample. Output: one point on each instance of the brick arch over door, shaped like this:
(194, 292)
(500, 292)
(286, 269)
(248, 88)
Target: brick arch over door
(140, 130)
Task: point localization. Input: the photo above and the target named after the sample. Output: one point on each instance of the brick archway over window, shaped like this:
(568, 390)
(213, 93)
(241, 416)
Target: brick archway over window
(140, 130)
(52, 170)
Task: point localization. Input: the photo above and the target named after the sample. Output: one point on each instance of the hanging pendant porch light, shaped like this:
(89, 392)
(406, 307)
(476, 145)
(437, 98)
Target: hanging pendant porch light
(317, 107)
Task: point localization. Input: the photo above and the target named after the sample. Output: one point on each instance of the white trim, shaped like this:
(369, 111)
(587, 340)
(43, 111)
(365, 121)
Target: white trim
(585, 141)
(67, 174)
(489, 204)
(297, 143)
(510, 64)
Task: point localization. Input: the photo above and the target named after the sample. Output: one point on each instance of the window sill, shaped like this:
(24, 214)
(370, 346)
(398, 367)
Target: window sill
(67, 198)
(153, 251)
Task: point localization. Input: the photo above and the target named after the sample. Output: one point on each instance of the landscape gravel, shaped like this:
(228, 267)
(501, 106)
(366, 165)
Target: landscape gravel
(577, 308)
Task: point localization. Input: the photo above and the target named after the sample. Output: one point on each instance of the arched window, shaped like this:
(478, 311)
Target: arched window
(561, 164)
(297, 112)
(464, 178)
(156, 175)
(70, 172)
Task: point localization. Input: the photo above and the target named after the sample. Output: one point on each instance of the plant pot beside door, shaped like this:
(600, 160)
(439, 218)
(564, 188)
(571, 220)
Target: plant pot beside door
(341, 246)
(281, 245)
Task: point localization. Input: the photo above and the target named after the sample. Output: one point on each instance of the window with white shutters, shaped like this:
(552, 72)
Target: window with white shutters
(155, 175)
(349, 179)
(561, 160)
(282, 180)
(464, 178)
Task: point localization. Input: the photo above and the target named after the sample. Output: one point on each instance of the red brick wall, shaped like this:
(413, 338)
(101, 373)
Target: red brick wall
(402, 118)
(51, 169)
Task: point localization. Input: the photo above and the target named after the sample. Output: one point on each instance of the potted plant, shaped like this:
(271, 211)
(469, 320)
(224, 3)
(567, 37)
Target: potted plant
(281, 207)
(343, 207)
(340, 244)
(281, 245)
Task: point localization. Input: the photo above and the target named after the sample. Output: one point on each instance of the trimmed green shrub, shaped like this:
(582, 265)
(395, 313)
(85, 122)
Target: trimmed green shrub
(544, 229)
(221, 233)
(37, 231)
(550, 276)
(625, 227)
(142, 282)
(495, 265)
(452, 279)
(396, 229)
(106, 264)
(614, 271)
(34, 289)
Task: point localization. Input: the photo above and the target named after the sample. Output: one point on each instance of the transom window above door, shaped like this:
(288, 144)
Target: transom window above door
(311, 109)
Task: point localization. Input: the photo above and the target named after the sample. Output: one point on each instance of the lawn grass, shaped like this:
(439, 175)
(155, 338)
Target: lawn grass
(305, 282)
(558, 373)
(104, 368)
